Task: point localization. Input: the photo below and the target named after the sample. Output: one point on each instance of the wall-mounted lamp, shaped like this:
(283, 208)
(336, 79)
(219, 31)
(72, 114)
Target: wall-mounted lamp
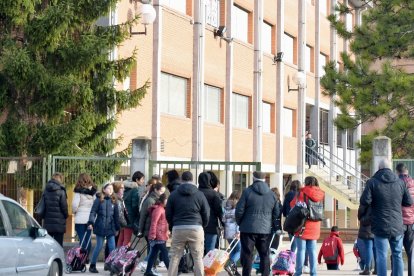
(219, 32)
(299, 79)
(278, 57)
(147, 13)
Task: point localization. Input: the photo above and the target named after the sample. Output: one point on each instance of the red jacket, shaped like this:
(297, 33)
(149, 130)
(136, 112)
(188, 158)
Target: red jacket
(408, 212)
(159, 225)
(341, 256)
(312, 228)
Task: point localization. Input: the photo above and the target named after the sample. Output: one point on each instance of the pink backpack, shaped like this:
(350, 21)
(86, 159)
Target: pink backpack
(285, 263)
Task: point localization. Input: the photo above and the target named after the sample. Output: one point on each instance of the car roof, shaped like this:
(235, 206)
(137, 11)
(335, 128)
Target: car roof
(7, 198)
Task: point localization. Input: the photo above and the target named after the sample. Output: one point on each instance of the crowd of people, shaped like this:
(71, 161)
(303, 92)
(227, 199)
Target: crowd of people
(193, 214)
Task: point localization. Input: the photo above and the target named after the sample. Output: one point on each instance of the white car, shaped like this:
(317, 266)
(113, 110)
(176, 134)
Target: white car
(25, 247)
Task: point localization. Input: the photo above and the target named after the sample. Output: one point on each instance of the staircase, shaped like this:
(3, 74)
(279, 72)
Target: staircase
(341, 181)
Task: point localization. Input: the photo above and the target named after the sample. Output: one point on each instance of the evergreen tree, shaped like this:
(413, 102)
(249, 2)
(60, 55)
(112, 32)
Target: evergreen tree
(372, 85)
(57, 92)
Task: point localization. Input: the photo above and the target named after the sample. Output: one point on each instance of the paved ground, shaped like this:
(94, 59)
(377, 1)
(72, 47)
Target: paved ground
(350, 267)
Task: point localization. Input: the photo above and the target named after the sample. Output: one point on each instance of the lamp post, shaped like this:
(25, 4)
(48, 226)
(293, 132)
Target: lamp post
(147, 13)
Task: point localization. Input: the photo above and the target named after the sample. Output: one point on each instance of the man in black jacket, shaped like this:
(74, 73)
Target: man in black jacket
(56, 211)
(385, 192)
(187, 213)
(256, 214)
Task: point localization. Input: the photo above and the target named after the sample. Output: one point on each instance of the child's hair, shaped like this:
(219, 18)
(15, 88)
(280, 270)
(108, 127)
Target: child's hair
(334, 229)
(161, 199)
(235, 196)
(102, 195)
(157, 186)
(117, 186)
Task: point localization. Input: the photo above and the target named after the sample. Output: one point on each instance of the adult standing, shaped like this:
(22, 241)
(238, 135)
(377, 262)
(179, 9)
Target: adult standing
(385, 192)
(306, 238)
(408, 216)
(187, 213)
(84, 195)
(132, 196)
(205, 185)
(256, 214)
(56, 211)
(173, 180)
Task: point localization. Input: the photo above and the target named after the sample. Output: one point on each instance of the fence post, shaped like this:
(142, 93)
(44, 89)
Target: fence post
(381, 148)
(141, 155)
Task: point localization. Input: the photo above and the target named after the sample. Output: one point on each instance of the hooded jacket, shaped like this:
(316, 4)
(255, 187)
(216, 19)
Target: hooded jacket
(386, 193)
(365, 220)
(341, 256)
(159, 226)
(131, 201)
(408, 212)
(229, 218)
(187, 206)
(257, 210)
(214, 201)
(312, 228)
(104, 217)
(144, 215)
(82, 203)
(56, 212)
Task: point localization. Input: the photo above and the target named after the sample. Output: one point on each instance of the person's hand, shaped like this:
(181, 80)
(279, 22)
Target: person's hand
(237, 236)
(140, 235)
(90, 227)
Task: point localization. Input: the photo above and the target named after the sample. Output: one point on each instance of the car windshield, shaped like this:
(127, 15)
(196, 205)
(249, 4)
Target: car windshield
(20, 221)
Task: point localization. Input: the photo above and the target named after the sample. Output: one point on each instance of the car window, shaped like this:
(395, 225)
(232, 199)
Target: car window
(2, 228)
(19, 220)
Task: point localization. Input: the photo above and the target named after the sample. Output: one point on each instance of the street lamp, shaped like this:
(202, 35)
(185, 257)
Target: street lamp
(299, 79)
(147, 13)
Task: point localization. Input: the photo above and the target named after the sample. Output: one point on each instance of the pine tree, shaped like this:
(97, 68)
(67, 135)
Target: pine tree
(57, 92)
(371, 84)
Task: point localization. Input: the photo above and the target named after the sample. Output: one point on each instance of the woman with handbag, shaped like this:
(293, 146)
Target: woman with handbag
(306, 237)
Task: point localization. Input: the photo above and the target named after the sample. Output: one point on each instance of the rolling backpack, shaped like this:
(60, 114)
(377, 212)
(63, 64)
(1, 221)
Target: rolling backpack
(285, 263)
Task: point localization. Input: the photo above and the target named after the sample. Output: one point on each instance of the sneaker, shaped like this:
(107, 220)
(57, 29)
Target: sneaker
(161, 264)
(306, 269)
(365, 272)
(142, 266)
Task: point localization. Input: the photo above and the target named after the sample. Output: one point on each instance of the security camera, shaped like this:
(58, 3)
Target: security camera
(220, 31)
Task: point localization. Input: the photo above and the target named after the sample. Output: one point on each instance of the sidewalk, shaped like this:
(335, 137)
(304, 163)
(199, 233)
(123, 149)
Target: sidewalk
(349, 268)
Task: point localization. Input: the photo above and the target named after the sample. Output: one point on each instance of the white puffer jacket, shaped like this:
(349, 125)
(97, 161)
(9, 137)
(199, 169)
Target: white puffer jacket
(81, 207)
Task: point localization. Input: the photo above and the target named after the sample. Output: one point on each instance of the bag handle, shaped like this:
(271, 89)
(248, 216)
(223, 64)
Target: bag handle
(89, 240)
(232, 245)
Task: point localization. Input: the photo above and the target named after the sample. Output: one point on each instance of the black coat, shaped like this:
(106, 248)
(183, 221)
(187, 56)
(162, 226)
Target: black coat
(107, 217)
(365, 220)
(56, 212)
(187, 206)
(286, 202)
(257, 210)
(386, 193)
(214, 201)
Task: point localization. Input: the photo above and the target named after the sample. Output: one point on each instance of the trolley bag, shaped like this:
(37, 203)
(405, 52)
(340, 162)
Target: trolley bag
(285, 262)
(77, 256)
(126, 263)
(272, 256)
(215, 259)
(114, 255)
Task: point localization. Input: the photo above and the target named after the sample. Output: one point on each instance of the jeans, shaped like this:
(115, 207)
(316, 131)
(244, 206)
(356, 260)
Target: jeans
(293, 245)
(81, 230)
(304, 246)
(155, 248)
(332, 266)
(209, 242)
(381, 246)
(235, 254)
(99, 243)
(408, 243)
(261, 242)
(195, 240)
(369, 252)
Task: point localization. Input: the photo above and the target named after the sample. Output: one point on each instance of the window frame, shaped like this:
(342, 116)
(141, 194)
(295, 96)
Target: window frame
(285, 122)
(185, 113)
(286, 48)
(238, 34)
(169, 4)
(235, 110)
(323, 132)
(207, 88)
(268, 42)
(270, 119)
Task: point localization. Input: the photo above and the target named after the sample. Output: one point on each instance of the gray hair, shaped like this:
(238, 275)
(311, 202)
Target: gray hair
(384, 164)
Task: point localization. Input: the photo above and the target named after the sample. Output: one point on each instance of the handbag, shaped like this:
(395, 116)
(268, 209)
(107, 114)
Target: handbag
(40, 207)
(316, 209)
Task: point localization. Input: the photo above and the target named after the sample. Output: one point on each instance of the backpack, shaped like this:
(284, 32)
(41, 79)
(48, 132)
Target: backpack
(315, 209)
(296, 218)
(285, 263)
(330, 249)
(186, 264)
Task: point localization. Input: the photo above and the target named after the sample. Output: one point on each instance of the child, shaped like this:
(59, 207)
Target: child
(158, 234)
(231, 231)
(104, 220)
(332, 250)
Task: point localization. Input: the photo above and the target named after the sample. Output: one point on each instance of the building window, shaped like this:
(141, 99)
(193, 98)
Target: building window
(173, 95)
(288, 48)
(240, 111)
(212, 12)
(267, 117)
(240, 23)
(309, 58)
(322, 63)
(339, 138)
(287, 127)
(323, 126)
(350, 138)
(267, 37)
(349, 22)
(212, 104)
(239, 181)
(179, 5)
(323, 8)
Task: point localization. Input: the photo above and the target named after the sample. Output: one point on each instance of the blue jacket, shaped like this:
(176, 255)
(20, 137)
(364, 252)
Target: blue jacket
(107, 217)
(257, 210)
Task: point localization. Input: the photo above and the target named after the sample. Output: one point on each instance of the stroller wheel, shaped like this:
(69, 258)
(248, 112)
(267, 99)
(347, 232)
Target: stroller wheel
(83, 268)
(68, 269)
